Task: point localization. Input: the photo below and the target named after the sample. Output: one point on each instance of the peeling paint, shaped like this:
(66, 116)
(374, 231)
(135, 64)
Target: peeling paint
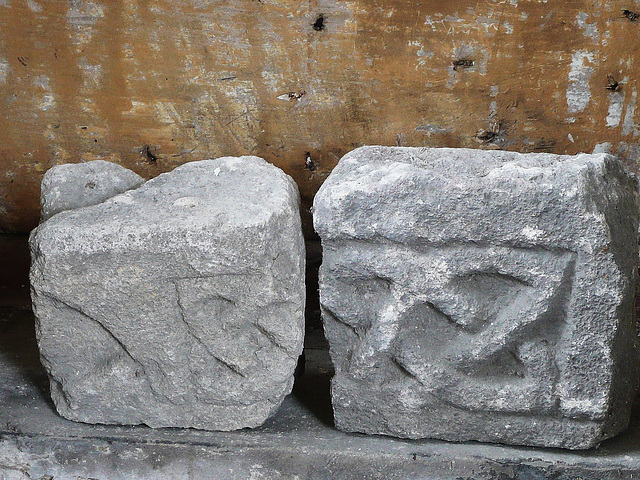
(92, 74)
(489, 24)
(81, 17)
(48, 100)
(628, 125)
(200, 79)
(431, 129)
(590, 29)
(34, 6)
(4, 71)
(616, 104)
(630, 151)
(84, 13)
(578, 91)
(605, 147)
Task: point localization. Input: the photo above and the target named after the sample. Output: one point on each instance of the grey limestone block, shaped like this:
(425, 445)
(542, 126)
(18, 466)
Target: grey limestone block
(480, 295)
(75, 185)
(177, 304)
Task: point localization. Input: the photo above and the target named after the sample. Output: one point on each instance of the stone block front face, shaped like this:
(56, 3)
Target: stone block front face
(480, 295)
(178, 304)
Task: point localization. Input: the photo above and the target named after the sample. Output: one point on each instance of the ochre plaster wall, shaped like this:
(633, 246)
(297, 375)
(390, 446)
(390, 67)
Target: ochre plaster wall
(152, 84)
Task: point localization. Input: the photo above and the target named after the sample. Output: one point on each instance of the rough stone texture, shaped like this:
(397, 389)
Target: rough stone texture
(76, 185)
(179, 303)
(475, 295)
(297, 443)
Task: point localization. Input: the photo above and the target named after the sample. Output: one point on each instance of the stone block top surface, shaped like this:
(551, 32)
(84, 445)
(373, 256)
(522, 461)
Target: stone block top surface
(209, 198)
(439, 195)
(75, 185)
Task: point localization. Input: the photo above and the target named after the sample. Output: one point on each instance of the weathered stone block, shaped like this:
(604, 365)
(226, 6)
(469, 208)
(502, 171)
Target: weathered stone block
(75, 185)
(176, 304)
(476, 295)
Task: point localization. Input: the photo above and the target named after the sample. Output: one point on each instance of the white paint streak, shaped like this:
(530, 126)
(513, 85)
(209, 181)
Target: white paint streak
(578, 90)
(628, 125)
(81, 16)
(92, 74)
(431, 129)
(35, 7)
(488, 24)
(616, 104)
(422, 53)
(4, 71)
(605, 147)
(48, 100)
(590, 29)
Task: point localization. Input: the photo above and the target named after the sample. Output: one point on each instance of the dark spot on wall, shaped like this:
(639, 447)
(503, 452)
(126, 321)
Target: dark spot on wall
(309, 164)
(319, 24)
(492, 134)
(612, 84)
(632, 16)
(463, 63)
(296, 95)
(147, 154)
(544, 145)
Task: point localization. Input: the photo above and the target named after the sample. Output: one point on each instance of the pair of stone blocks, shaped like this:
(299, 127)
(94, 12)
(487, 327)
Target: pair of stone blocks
(466, 295)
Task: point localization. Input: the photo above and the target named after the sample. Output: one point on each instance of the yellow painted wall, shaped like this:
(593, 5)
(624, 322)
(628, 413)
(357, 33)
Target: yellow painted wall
(151, 84)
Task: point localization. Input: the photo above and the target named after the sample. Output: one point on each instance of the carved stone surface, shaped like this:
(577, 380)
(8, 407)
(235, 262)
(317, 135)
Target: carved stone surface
(176, 304)
(476, 295)
(75, 185)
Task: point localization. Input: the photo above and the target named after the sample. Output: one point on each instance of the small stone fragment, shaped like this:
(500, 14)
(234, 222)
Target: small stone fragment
(75, 185)
(480, 295)
(177, 304)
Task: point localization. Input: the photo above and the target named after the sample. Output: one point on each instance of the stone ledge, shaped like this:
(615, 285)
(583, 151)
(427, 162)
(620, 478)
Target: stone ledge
(299, 442)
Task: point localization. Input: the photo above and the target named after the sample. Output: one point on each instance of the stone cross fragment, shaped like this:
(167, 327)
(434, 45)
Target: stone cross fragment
(177, 304)
(480, 295)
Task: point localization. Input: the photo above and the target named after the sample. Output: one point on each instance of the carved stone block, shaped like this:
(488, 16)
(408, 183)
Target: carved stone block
(178, 304)
(477, 295)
